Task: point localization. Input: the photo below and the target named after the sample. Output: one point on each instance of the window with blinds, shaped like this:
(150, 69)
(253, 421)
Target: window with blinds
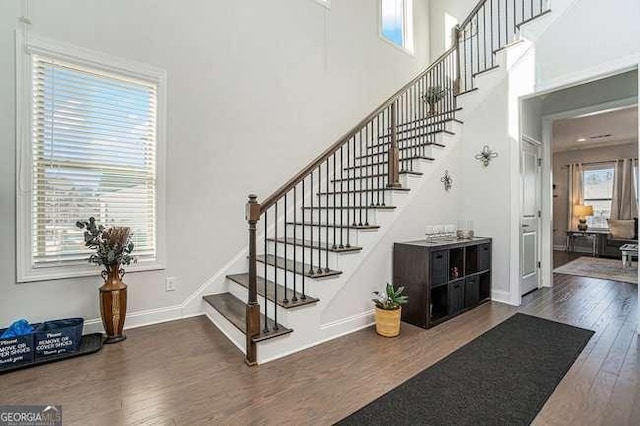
(93, 148)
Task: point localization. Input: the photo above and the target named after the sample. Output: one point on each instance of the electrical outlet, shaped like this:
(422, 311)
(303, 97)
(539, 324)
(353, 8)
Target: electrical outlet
(170, 284)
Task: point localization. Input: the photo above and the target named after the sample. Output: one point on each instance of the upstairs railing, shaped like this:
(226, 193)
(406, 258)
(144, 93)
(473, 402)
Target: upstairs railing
(491, 26)
(316, 210)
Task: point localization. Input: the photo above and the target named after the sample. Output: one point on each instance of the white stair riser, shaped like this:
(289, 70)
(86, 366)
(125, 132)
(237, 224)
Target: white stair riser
(353, 233)
(309, 253)
(237, 337)
(358, 216)
(373, 195)
(281, 276)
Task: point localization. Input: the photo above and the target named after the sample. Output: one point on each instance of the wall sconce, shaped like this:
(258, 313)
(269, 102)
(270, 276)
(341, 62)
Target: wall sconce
(447, 180)
(486, 155)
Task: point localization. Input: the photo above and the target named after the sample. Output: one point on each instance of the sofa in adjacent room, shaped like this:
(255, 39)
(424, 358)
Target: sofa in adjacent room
(621, 232)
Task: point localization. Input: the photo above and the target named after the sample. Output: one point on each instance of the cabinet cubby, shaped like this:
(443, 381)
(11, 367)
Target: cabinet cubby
(442, 278)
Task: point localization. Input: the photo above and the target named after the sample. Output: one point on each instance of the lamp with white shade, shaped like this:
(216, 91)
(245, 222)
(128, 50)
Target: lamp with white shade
(581, 212)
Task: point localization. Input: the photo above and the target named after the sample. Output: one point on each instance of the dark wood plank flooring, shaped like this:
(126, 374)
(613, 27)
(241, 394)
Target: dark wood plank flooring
(187, 373)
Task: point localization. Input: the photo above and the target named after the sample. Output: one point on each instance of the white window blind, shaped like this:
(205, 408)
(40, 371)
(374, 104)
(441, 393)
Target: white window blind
(93, 154)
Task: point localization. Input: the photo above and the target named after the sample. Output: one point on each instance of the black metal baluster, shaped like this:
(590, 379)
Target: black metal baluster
(366, 178)
(326, 259)
(303, 239)
(531, 3)
(484, 36)
(335, 205)
(491, 28)
(311, 270)
(275, 271)
(385, 127)
(342, 194)
(471, 58)
(506, 23)
(266, 326)
(295, 235)
(351, 204)
(326, 222)
(286, 250)
(515, 25)
(498, 22)
(477, 43)
(349, 179)
(378, 159)
(360, 186)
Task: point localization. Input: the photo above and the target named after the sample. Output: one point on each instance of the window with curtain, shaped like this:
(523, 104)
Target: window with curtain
(396, 22)
(93, 151)
(597, 189)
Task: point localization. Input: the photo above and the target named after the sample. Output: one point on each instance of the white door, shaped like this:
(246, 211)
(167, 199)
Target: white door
(530, 162)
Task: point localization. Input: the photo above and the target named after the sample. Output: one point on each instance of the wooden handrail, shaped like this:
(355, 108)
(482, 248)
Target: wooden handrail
(280, 192)
(473, 13)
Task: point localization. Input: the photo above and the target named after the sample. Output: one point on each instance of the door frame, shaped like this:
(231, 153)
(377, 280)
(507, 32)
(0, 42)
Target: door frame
(547, 192)
(596, 73)
(540, 146)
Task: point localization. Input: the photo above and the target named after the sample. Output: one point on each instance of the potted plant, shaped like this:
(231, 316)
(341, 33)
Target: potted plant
(432, 96)
(113, 248)
(388, 310)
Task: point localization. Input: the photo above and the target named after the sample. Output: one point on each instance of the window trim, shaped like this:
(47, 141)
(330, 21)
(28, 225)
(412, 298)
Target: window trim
(27, 44)
(600, 166)
(407, 28)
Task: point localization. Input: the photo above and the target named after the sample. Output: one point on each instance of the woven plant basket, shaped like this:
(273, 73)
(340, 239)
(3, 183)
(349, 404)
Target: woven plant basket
(388, 322)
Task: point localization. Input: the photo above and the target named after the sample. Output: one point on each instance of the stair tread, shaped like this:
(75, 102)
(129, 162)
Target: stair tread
(402, 137)
(349, 208)
(400, 189)
(414, 157)
(404, 172)
(400, 148)
(325, 225)
(234, 310)
(243, 280)
(491, 68)
(307, 243)
(467, 91)
(431, 123)
(295, 267)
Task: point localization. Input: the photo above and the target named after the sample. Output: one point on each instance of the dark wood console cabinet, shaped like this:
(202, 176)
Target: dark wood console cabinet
(442, 278)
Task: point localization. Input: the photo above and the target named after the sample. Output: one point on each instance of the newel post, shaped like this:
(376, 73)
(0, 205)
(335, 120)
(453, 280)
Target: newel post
(455, 37)
(253, 309)
(394, 152)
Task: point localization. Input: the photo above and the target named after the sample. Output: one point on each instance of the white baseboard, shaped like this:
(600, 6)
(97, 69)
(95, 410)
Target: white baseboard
(502, 296)
(330, 331)
(140, 318)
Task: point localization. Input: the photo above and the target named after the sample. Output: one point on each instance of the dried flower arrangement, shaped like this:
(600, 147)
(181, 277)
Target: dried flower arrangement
(113, 246)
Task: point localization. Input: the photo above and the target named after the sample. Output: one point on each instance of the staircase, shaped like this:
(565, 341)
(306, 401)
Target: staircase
(312, 222)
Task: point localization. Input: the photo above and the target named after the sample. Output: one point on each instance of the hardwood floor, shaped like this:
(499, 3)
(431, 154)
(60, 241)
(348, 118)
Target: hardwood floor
(187, 373)
(562, 257)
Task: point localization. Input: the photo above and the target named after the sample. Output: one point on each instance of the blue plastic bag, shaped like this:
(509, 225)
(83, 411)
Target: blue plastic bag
(20, 327)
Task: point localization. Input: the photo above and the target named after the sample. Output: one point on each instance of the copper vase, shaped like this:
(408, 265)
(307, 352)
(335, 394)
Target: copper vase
(113, 304)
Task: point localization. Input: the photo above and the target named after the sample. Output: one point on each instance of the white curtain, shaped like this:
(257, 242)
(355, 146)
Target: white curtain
(576, 196)
(624, 203)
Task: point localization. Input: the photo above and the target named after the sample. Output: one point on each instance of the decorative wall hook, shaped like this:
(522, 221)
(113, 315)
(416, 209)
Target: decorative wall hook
(447, 180)
(486, 155)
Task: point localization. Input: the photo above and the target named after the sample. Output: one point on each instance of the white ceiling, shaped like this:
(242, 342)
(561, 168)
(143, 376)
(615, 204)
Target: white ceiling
(621, 125)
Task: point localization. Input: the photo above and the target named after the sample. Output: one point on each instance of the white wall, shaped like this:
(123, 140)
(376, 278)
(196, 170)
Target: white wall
(255, 90)
(444, 14)
(561, 179)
